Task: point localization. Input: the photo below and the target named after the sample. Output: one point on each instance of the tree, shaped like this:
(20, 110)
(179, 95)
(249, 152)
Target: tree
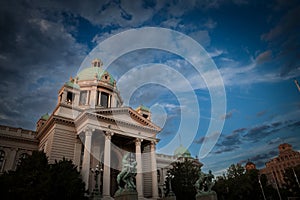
(29, 181)
(36, 179)
(185, 175)
(235, 171)
(66, 182)
(239, 184)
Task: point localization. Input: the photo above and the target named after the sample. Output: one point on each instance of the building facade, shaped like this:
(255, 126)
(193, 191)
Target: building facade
(15, 144)
(275, 167)
(90, 126)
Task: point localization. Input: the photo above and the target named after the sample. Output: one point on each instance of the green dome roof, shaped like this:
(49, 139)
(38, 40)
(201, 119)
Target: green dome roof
(72, 84)
(89, 74)
(144, 108)
(45, 116)
(182, 151)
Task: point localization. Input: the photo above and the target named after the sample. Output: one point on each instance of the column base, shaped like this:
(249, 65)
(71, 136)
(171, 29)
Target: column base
(207, 196)
(107, 198)
(127, 195)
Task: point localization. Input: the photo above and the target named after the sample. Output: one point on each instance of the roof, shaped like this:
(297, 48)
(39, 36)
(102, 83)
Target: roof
(89, 74)
(182, 151)
(249, 163)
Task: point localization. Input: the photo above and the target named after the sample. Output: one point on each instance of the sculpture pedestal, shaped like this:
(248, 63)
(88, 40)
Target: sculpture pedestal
(207, 196)
(170, 198)
(126, 195)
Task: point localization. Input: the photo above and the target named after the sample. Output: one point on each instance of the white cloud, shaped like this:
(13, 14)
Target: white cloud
(263, 57)
(202, 37)
(216, 53)
(210, 24)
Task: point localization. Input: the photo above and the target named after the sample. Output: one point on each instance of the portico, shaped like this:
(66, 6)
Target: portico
(119, 136)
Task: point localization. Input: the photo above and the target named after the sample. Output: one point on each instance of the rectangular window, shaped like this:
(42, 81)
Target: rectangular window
(70, 97)
(98, 98)
(104, 99)
(83, 98)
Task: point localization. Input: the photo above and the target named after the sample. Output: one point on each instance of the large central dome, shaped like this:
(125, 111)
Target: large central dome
(95, 72)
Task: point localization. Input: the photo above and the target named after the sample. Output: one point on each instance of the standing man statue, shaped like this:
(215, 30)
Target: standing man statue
(209, 181)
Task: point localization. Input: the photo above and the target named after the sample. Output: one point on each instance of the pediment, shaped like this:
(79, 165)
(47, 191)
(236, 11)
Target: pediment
(128, 115)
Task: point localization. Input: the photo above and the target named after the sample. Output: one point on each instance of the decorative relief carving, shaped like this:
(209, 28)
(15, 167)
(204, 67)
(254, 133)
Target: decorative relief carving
(108, 135)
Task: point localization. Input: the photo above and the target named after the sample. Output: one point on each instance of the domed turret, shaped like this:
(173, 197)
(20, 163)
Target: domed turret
(144, 111)
(42, 121)
(92, 87)
(181, 151)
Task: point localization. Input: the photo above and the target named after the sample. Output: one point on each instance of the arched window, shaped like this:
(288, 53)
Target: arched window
(2, 159)
(21, 157)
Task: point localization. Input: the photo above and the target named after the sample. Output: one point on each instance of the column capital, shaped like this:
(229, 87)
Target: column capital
(88, 131)
(154, 142)
(138, 141)
(153, 145)
(108, 135)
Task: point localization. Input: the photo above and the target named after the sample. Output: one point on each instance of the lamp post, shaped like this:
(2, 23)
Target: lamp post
(169, 177)
(296, 177)
(96, 193)
(277, 188)
(262, 189)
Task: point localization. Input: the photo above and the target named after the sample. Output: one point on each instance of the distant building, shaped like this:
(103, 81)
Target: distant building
(275, 168)
(250, 165)
(164, 163)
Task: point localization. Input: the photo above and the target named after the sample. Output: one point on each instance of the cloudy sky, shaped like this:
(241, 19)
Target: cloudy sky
(254, 45)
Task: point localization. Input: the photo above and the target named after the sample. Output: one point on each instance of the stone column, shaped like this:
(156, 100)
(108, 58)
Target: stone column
(109, 101)
(85, 171)
(154, 171)
(63, 96)
(106, 170)
(139, 176)
(93, 97)
(77, 152)
(12, 157)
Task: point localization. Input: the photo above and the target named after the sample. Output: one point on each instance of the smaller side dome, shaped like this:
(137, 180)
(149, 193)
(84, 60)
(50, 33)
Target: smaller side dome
(72, 83)
(144, 111)
(42, 121)
(143, 108)
(181, 151)
(45, 116)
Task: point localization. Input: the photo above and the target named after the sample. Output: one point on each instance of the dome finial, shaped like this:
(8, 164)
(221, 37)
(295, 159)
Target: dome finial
(97, 63)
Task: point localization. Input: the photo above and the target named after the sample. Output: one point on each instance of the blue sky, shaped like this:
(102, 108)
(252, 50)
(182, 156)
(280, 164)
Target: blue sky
(255, 46)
